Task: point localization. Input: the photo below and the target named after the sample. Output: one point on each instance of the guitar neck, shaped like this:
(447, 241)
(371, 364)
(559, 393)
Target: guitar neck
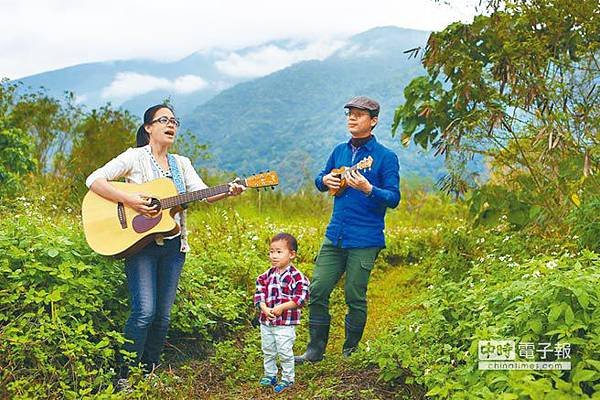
(350, 169)
(188, 197)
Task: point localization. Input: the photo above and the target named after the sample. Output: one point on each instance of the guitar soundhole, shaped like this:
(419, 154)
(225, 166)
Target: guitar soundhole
(155, 202)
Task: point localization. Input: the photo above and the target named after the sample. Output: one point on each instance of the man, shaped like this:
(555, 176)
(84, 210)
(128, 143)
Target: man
(354, 236)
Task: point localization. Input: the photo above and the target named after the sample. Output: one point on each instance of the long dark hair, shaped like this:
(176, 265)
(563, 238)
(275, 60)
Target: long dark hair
(142, 137)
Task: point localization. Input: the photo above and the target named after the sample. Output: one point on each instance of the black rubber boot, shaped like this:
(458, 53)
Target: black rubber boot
(351, 342)
(315, 351)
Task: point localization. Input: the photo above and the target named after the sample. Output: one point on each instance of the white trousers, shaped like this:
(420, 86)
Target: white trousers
(278, 341)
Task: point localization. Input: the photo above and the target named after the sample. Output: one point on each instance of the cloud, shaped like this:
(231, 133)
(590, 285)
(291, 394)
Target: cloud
(358, 51)
(271, 58)
(227, 24)
(130, 84)
(188, 84)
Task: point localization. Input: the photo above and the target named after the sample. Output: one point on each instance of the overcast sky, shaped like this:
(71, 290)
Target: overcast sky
(42, 35)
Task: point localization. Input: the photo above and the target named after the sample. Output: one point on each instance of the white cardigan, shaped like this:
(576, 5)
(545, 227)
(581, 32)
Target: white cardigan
(135, 165)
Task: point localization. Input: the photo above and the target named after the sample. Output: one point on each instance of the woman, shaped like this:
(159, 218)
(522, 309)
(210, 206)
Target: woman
(153, 272)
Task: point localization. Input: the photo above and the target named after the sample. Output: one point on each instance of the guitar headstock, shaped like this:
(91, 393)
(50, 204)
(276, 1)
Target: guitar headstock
(264, 179)
(365, 163)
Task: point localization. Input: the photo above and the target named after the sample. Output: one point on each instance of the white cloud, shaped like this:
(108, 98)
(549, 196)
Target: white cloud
(272, 58)
(188, 84)
(154, 29)
(358, 51)
(130, 84)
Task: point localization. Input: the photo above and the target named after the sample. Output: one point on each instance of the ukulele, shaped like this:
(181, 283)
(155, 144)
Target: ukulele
(115, 229)
(344, 172)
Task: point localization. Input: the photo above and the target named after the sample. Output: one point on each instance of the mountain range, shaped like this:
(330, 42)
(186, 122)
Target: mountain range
(288, 120)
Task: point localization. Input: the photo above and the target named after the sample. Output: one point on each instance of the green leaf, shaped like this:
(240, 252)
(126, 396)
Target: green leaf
(103, 343)
(555, 311)
(535, 325)
(593, 363)
(569, 316)
(585, 375)
(582, 297)
(56, 295)
(52, 253)
(421, 138)
(409, 125)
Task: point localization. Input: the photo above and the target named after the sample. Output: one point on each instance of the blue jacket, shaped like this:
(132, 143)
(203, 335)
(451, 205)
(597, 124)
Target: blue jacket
(357, 220)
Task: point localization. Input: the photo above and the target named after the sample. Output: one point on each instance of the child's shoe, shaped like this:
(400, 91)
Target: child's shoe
(282, 386)
(268, 381)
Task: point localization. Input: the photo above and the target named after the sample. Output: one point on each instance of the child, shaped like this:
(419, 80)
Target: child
(280, 291)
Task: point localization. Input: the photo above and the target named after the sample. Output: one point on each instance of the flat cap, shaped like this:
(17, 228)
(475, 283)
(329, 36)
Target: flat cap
(364, 103)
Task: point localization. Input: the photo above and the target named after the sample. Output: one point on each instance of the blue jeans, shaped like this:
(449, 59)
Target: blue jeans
(152, 277)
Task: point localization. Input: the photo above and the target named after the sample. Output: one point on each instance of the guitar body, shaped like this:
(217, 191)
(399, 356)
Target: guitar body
(343, 184)
(113, 229)
(117, 230)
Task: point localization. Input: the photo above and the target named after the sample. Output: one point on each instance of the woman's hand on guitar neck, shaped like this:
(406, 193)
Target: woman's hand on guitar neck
(332, 181)
(140, 202)
(235, 189)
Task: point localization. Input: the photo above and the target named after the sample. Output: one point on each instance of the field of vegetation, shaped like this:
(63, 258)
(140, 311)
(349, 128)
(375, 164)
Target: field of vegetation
(439, 287)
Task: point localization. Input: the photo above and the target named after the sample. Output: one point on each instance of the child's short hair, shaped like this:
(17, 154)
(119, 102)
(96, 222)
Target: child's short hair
(288, 239)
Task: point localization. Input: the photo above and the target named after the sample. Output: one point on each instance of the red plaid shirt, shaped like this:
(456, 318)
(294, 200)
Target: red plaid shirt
(274, 288)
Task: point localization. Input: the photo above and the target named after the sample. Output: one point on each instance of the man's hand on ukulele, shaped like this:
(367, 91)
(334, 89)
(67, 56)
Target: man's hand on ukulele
(332, 181)
(140, 202)
(357, 181)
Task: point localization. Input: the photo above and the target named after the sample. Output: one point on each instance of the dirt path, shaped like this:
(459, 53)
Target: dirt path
(390, 292)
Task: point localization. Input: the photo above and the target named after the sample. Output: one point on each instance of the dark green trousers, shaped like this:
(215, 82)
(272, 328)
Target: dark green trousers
(332, 262)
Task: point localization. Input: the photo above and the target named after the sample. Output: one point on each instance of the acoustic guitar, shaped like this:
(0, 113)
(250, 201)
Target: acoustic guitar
(114, 229)
(344, 172)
